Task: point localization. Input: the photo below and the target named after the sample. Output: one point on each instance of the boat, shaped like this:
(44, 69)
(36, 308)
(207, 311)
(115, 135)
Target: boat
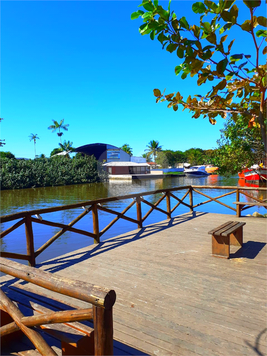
(255, 173)
(196, 171)
(211, 168)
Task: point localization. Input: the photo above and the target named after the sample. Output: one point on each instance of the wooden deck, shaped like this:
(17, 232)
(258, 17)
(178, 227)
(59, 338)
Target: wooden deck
(173, 297)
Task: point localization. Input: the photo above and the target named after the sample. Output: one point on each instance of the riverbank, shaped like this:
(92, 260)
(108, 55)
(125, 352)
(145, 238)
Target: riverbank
(49, 172)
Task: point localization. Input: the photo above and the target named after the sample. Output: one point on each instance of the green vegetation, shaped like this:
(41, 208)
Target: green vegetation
(153, 148)
(126, 148)
(205, 49)
(238, 145)
(34, 137)
(45, 172)
(58, 126)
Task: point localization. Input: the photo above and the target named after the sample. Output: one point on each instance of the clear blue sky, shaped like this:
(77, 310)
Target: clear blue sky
(86, 62)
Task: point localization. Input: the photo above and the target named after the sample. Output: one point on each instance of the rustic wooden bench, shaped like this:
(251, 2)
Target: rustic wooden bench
(240, 205)
(230, 233)
(77, 322)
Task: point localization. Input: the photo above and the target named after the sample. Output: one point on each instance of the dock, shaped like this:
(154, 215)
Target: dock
(173, 296)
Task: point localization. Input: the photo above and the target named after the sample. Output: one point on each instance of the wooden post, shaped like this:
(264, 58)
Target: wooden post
(29, 240)
(95, 223)
(238, 207)
(103, 331)
(168, 202)
(191, 199)
(139, 212)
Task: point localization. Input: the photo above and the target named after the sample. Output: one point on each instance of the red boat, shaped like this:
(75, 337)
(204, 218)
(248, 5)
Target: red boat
(256, 173)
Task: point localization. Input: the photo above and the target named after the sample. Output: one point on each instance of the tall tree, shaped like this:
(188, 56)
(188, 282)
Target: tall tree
(67, 146)
(2, 142)
(34, 137)
(238, 146)
(126, 148)
(153, 148)
(204, 49)
(58, 126)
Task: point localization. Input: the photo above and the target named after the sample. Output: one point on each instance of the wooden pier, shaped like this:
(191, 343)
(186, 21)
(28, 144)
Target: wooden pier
(173, 297)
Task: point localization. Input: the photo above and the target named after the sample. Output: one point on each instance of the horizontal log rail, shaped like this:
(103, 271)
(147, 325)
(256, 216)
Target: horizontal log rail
(36, 216)
(102, 300)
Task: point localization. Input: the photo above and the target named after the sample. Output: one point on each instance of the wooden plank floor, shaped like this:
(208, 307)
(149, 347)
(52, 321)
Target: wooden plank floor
(173, 297)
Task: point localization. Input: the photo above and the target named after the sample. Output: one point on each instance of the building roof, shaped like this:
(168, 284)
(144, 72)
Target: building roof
(125, 164)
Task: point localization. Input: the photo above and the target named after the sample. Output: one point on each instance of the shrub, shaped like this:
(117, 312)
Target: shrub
(45, 172)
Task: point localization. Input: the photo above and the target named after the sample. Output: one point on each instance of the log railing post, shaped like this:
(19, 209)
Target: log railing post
(139, 212)
(168, 202)
(103, 331)
(191, 199)
(238, 207)
(95, 223)
(29, 240)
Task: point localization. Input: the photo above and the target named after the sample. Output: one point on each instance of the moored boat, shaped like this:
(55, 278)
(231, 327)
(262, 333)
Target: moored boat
(196, 171)
(256, 173)
(211, 168)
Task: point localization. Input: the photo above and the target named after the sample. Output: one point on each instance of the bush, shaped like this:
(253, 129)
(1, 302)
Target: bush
(6, 155)
(46, 172)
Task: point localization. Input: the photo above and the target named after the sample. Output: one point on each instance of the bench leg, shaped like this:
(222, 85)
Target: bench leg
(220, 246)
(236, 238)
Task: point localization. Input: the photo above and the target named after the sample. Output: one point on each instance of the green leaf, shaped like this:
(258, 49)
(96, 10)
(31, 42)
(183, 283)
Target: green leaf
(207, 27)
(246, 26)
(169, 6)
(148, 6)
(251, 4)
(198, 7)
(136, 14)
(184, 75)
(178, 69)
(175, 107)
(221, 66)
(211, 5)
(157, 92)
(184, 23)
(227, 26)
(234, 13)
(236, 57)
(156, 2)
(226, 16)
(230, 75)
(227, 3)
(262, 21)
(171, 47)
(211, 38)
(180, 52)
(223, 38)
(261, 33)
(152, 35)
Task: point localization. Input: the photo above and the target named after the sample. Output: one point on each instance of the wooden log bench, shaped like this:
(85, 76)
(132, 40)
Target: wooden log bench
(52, 324)
(230, 233)
(240, 205)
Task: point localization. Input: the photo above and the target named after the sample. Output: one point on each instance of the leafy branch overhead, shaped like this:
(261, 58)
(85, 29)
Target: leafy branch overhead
(237, 80)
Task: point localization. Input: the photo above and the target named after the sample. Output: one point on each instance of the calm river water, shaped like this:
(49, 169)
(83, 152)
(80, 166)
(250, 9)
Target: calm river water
(27, 199)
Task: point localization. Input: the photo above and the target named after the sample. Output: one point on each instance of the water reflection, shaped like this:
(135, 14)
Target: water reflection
(27, 199)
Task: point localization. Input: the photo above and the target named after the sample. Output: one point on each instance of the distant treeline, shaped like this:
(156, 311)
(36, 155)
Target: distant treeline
(193, 156)
(47, 172)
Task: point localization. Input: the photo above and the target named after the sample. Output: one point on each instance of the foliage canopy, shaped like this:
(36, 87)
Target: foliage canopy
(238, 80)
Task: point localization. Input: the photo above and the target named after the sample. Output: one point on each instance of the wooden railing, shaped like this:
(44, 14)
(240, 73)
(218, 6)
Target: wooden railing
(36, 216)
(102, 300)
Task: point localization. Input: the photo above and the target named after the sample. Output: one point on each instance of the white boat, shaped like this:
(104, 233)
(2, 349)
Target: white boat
(196, 171)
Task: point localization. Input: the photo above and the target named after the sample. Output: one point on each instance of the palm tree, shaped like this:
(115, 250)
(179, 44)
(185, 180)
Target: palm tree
(67, 146)
(34, 137)
(126, 148)
(153, 148)
(58, 126)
